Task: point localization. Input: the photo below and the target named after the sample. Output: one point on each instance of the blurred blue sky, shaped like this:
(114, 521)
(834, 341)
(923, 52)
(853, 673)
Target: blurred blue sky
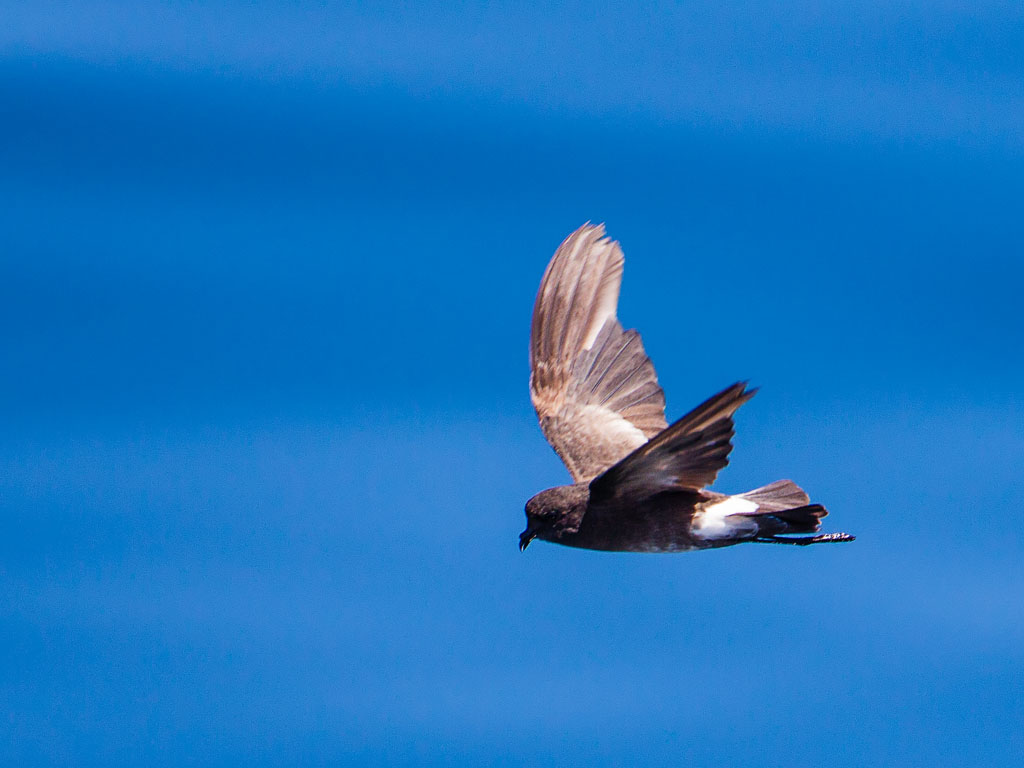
(266, 273)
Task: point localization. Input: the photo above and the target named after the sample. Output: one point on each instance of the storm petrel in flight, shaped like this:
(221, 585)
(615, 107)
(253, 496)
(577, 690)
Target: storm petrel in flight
(639, 484)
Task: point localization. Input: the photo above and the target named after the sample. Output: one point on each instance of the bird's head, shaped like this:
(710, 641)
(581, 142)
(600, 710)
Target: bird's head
(552, 513)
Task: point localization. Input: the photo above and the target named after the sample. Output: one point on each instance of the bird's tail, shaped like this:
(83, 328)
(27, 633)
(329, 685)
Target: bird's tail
(778, 496)
(805, 519)
(765, 514)
(784, 508)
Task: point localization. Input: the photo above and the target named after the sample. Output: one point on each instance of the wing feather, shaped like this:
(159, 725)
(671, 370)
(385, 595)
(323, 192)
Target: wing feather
(686, 456)
(595, 390)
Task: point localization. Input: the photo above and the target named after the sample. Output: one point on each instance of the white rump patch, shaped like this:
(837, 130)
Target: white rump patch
(714, 523)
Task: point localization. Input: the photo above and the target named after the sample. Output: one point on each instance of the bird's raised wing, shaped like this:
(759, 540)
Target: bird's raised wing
(594, 388)
(685, 457)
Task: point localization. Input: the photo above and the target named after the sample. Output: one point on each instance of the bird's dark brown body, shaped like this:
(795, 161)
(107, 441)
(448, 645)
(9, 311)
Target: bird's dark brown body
(564, 515)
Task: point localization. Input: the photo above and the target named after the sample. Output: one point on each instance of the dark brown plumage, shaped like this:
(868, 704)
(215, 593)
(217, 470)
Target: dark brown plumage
(640, 485)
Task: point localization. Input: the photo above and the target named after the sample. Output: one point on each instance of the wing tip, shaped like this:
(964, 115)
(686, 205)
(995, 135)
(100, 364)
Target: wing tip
(597, 233)
(744, 389)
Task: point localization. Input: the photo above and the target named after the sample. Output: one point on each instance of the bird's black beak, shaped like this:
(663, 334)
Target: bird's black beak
(525, 538)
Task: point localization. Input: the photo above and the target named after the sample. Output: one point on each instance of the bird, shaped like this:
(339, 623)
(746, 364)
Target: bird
(639, 484)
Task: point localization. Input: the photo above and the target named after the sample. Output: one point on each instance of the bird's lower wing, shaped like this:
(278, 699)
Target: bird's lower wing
(686, 456)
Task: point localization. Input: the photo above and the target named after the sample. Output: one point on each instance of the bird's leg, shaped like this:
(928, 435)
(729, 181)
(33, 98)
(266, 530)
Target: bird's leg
(823, 538)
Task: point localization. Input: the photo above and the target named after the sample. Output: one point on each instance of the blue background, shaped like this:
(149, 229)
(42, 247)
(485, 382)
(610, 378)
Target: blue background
(266, 274)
